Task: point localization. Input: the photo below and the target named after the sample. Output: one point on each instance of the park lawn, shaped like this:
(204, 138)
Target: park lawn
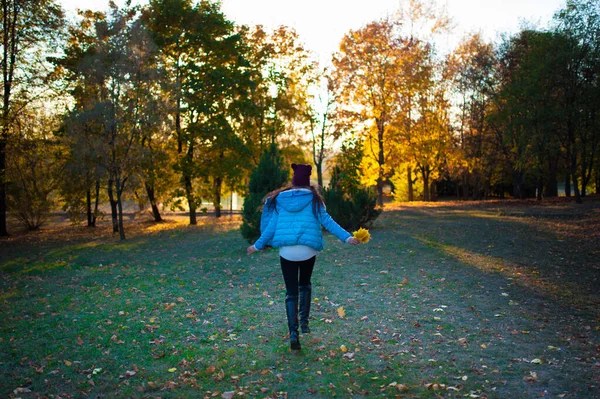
(490, 300)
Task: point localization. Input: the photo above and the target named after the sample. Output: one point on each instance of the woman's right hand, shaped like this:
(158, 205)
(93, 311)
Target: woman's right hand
(353, 241)
(251, 249)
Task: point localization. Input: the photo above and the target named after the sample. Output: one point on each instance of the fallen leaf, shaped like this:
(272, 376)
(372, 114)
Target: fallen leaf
(169, 306)
(228, 395)
(483, 346)
(536, 361)
(172, 370)
(68, 363)
(343, 348)
(349, 355)
(341, 312)
(532, 377)
(22, 390)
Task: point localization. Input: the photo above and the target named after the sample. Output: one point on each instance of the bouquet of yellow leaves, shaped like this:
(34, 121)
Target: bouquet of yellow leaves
(362, 235)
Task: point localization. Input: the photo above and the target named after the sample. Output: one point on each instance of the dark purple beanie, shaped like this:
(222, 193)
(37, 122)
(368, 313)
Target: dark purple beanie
(301, 174)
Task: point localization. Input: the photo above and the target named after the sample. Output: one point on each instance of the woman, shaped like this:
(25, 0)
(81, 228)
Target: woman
(291, 221)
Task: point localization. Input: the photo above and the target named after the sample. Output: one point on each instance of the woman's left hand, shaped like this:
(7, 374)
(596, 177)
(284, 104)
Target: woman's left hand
(251, 249)
(353, 241)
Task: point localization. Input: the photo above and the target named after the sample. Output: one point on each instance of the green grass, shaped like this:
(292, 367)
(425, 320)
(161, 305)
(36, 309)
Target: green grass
(458, 296)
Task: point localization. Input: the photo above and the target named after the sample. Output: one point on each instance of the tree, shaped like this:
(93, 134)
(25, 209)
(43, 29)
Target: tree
(471, 68)
(579, 23)
(206, 83)
(26, 25)
(35, 168)
(269, 175)
(349, 203)
(321, 120)
(367, 74)
(279, 100)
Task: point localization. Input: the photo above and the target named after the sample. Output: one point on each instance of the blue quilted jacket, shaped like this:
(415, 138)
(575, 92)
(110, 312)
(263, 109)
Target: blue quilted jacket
(294, 223)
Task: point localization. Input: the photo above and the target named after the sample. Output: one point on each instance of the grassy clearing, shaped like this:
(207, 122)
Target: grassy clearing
(485, 300)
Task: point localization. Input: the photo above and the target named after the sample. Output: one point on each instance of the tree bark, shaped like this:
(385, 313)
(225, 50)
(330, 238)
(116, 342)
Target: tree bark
(567, 184)
(113, 206)
(187, 178)
(518, 189)
(217, 184)
(88, 206)
(152, 199)
(3, 211)
(120, 186)
(319, 166)
(573, 173)
(380, 160)
(425, 175)
(411, 196)
(97, 203)
(551, 187)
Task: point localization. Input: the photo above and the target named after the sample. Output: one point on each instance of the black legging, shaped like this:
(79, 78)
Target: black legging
(296, 274)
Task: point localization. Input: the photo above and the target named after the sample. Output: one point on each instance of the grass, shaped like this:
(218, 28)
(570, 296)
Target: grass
(490, 300)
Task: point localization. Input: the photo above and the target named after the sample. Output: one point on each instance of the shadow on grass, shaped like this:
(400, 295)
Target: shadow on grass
(532, 251)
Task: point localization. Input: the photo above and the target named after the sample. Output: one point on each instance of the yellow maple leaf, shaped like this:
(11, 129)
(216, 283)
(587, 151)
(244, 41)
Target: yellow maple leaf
(362, 235)
(341, 311)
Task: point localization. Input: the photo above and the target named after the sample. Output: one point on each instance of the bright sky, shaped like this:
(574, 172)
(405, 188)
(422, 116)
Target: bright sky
(322, 23)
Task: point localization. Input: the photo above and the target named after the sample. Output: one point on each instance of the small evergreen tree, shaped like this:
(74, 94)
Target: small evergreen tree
(270, 174)
(349, 203)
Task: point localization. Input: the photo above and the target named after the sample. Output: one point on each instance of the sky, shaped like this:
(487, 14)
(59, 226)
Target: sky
(321, 24)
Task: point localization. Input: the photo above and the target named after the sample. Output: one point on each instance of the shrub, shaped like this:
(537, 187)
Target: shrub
(270, 174)
(351, 205)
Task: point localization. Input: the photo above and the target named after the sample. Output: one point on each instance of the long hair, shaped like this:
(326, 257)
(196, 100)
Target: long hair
(317, 202)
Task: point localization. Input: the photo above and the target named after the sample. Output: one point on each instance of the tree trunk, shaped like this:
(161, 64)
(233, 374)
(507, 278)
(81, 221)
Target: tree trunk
(187, 179)
(380, 161)
(539, 189)
(567, 184)
(411, 195)
(319, 166)
(152, 199)
(551, 188)
(217, 184)
(572, 152)
(88, 206)
(9, 19)
(425, 175)
(113, 206)
(574, 177)
(3, 212)
(97, 203)
(120, 186)
(518, 189)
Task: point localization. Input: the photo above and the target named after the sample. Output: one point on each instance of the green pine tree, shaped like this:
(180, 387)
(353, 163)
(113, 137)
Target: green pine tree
(350, 204)
(270, 174)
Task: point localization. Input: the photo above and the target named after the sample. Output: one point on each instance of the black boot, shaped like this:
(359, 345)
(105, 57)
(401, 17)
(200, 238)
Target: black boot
(291, 309)
(304, 299)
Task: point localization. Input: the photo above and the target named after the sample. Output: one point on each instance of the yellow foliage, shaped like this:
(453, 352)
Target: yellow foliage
(362, 235)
